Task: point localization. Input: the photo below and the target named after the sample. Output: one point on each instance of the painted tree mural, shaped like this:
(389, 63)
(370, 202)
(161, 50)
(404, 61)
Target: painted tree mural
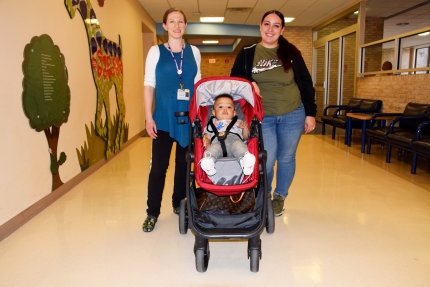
(46, 95)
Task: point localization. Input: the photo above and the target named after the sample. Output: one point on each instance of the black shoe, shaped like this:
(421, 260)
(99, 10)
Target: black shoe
(149, 223)
(278, 204)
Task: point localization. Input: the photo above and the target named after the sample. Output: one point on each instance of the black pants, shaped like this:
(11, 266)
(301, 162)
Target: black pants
(161, 149)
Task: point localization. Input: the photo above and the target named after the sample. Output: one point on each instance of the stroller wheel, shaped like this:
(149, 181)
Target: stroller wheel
(255, 255)
(270, 218)
(183, 218)
(202, 257)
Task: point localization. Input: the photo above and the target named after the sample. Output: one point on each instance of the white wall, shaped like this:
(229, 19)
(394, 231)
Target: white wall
(24, 160)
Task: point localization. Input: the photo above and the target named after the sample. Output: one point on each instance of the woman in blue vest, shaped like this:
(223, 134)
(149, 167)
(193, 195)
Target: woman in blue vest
(171, 70)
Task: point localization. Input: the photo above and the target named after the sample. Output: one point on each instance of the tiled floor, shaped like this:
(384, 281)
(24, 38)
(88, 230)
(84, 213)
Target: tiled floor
(351, 220)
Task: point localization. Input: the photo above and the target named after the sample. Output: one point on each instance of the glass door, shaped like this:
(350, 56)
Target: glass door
(335, 71)
(320, 79)
(348, 67)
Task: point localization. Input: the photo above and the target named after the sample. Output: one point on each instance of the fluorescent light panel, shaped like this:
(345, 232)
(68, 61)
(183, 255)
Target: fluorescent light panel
(212, 19)
(289, 19)
(424, 33)
(210, 41)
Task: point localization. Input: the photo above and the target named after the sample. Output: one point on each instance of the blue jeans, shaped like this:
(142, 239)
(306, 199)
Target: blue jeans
(281, 135)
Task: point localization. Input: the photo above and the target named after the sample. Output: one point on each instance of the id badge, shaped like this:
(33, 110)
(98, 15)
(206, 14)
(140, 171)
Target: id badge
(183, 94)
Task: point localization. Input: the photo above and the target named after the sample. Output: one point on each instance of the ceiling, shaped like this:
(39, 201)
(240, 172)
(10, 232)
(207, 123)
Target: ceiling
(244, 16)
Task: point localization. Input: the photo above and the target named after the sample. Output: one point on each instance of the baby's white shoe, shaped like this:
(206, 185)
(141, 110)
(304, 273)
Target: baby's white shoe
(208, 165)
(247, 163)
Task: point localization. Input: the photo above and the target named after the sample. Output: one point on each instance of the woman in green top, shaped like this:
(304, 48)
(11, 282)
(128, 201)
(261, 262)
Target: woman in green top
(280, 76)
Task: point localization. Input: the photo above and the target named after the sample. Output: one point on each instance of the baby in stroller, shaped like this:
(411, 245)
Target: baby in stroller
(224, 135)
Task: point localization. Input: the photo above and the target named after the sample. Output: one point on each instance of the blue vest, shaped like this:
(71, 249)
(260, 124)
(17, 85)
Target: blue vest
(166, 93)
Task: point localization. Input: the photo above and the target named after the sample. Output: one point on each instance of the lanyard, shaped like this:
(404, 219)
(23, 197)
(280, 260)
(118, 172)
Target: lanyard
(178, 67)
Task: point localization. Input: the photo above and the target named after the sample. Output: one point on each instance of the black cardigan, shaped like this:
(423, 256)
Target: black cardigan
(243, 68)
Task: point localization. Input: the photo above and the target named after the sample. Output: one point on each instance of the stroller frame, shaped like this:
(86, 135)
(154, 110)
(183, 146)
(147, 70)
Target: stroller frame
(250, 225)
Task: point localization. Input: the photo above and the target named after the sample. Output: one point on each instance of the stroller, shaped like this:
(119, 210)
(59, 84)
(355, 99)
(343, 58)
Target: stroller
(229, 180)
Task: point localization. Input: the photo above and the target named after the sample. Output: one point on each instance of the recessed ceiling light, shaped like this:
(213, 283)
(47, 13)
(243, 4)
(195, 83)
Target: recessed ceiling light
(289, 19)
(356, 12)
(210, 41)
(212, 19)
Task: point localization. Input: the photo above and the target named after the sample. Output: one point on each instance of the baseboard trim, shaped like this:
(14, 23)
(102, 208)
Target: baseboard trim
(23, 217)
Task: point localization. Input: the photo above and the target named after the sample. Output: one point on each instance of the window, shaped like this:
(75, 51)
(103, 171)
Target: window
(407, 53)
(375, 55)
(398, 38)
(422, 59)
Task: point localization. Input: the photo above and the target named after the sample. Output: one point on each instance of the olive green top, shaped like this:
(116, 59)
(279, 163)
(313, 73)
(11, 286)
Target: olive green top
(280, 93)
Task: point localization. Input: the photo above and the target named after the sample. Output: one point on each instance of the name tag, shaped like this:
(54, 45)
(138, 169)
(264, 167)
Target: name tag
(183, 94)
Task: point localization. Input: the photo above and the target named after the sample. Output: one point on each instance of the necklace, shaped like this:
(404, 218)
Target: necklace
(178, 67)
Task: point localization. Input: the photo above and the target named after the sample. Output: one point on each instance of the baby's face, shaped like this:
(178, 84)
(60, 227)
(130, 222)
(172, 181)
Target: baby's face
(224, 109)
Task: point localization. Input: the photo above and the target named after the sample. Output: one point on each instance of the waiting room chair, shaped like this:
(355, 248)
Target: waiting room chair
(335, 115)
(401, 130)
(421, 145)
(402, 135)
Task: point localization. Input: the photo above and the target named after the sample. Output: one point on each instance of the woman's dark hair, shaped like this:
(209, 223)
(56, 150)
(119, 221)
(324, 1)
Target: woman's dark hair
(171, 10)
(277, 13)
(286, 51)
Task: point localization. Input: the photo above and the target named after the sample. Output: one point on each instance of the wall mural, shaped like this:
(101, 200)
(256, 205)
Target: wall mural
(46, 95)
(107, 69)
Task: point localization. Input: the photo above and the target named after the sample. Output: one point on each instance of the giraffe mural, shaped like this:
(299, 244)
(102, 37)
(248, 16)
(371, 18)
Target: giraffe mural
(107, 69)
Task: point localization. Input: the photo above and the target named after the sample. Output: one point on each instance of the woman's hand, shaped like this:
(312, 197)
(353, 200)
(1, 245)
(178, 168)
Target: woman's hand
(151, 128)
(310, 124)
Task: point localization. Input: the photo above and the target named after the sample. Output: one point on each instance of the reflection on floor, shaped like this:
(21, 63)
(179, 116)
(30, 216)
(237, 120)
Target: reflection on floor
(351, 220)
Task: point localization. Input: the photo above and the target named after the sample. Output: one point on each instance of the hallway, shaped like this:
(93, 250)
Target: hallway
(352, 221)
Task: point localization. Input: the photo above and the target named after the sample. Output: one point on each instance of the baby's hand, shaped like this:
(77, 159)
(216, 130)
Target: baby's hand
(206, 141)
(245, 129)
